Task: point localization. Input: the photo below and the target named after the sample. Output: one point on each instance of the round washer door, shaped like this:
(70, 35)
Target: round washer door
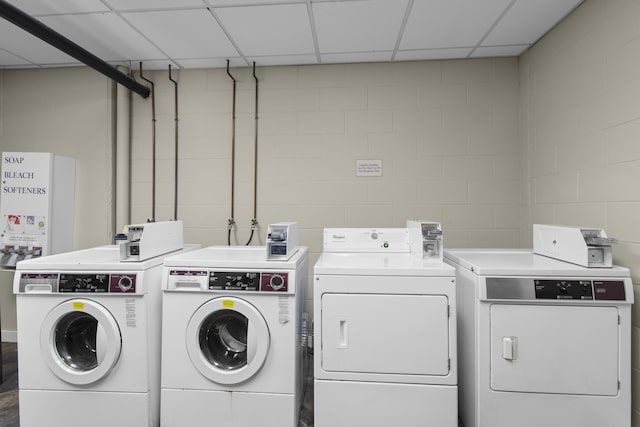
(227, 340)
(80, 341)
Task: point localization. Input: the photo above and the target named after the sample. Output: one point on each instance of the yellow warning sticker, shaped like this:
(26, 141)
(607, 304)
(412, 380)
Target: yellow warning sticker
(78, 305)
(227, 303)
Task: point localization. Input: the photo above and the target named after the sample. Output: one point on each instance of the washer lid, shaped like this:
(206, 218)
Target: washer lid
(80, 341)
(241, 257)
(380, 264)
(523, 262)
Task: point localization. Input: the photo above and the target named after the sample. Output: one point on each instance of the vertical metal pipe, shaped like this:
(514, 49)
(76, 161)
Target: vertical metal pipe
(153, 145)
(175, 188)
(232, 221)
(123, 162)
(254, 220)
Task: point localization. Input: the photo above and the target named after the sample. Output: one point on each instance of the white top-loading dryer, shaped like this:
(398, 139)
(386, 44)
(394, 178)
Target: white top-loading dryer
(384, 333)
(542, 342)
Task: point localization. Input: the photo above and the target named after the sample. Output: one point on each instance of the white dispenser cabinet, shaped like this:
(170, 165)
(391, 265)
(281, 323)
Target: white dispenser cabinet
(37, 206)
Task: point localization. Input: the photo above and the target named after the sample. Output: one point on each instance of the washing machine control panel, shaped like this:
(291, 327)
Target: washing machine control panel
(565, 289)
(248, 281)
(78, 282)
(234, 281)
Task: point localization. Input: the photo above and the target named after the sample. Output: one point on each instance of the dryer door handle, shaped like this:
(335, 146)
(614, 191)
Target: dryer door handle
(510, 348)
(343, 340)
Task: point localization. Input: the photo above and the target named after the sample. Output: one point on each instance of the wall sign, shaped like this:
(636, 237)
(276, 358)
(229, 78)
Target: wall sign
(368, 167)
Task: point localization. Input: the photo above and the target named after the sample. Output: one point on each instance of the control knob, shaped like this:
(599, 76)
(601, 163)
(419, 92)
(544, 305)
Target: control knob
(125, 283)
(276, 282)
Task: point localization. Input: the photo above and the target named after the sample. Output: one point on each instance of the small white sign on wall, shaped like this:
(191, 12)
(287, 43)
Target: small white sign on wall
(368, 167)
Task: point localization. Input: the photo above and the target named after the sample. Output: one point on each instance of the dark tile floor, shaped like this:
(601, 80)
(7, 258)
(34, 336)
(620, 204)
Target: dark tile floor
(9, 390)
(9, 387)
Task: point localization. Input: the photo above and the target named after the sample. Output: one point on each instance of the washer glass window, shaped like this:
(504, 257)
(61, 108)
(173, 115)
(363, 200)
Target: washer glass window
(75, 341)
(227, 340)
(223, 339)
(80, 341)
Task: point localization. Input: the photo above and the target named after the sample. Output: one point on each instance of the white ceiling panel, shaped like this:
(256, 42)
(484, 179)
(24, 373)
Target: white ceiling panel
(211, 63)
(414, 55)
(105, 35)
(450, 23)
(358, 25)
(357, 57)
(12, 60)
(528, 20)
(265, 61)
(489, 51)
(269, 30)
(41, 7)
(204, 33)
(152, 4)
(233, 3)
(20, 43)
(186, 34)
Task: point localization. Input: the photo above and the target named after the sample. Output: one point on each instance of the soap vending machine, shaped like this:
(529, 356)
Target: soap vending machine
(425, 239)
(37, 206)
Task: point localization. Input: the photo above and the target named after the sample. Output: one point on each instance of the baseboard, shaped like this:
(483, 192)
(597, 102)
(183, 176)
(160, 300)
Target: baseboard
(9, 336)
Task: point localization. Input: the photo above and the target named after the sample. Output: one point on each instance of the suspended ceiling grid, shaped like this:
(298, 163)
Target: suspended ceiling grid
(205, 33)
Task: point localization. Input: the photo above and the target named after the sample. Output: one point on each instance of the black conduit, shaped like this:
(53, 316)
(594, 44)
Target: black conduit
(153, 146)
(254, 220)
(175, 189)
(55, 39)
(232, 220)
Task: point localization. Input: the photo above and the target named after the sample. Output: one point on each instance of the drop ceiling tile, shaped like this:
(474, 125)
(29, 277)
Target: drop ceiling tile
(187, 34)
(426, 54)
(105, 35)
(266, 61)
(154, 4)
(43, 7)
(489, 51)
(225, 3)
(210, 63)
(358, 25)
(269, 30)
(357, 57)
(7, 59)
(528, 20)
(450, 23)
(23, 44)
(158, 64)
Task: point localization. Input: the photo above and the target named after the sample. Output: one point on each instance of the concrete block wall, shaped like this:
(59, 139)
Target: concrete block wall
(580, 127)
(446, 132)
(66, 111)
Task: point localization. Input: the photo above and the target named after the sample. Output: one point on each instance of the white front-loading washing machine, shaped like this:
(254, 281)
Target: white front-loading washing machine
(89, 339)
(384, 333)
(542, 342)
(231, 338)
